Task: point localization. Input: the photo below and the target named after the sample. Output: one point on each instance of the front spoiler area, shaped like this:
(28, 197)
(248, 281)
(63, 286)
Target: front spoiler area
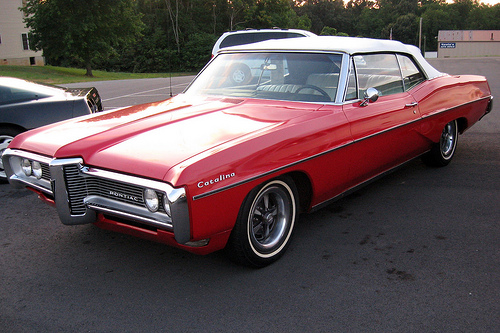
(215, 243)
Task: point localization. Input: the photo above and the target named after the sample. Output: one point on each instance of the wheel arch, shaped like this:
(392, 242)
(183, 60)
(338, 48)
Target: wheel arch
(13, 126)
(304, 188)
(462, 124)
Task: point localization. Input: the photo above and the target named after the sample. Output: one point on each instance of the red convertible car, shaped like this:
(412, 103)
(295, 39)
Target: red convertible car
(232, 164)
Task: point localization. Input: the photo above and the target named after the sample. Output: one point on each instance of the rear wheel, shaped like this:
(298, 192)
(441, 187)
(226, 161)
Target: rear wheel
(240, 74)
(6, 136)
(265, 223)
(443, 151)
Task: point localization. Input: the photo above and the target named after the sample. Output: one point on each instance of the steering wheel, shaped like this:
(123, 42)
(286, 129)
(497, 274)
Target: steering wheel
(318, 89)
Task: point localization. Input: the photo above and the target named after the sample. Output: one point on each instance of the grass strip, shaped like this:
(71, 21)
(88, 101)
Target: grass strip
(61, 75)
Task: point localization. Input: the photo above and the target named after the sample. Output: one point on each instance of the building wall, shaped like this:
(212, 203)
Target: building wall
(12, 28)
(468, 43)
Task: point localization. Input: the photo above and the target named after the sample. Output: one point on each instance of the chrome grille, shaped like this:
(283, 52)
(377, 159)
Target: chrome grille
(80, 185)
(45, 171)
(77, 189)
(105, 188)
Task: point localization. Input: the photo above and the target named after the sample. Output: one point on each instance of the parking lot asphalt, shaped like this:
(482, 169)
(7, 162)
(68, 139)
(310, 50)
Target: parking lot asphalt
(417, 251)
(123, 93)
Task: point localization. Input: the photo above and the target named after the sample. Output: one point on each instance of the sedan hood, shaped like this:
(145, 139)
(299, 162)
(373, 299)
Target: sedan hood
(150, 139)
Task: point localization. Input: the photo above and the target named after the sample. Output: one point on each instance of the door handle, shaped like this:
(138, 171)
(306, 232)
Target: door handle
(410, 105)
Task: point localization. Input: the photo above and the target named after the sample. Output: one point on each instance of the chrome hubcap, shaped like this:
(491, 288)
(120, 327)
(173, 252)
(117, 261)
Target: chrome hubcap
(448, 139)
(270, 218)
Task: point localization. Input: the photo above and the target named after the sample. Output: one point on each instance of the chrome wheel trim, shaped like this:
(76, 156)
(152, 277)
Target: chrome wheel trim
(4, 142)
(448, 140)
(271, 219)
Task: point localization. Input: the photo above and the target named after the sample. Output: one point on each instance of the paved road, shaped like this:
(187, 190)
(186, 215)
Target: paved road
(417, 251)
(117, 94)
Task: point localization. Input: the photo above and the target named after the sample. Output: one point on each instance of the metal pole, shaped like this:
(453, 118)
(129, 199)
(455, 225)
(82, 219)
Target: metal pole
(420, 36)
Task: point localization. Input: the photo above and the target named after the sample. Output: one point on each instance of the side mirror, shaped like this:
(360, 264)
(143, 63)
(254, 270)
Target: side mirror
(371, 95)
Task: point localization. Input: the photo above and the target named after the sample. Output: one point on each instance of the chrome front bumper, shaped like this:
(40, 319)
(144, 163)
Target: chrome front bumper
(81, 192)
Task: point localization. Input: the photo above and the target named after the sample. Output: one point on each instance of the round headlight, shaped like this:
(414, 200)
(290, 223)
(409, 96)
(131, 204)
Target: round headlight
(151, 200)
(36, 168)
(26, 166)
(166, 204)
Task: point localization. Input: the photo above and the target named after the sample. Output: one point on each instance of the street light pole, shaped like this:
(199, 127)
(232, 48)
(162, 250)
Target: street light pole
(420, 36)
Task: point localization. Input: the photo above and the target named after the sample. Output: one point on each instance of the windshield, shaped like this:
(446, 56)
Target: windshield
(309, 77)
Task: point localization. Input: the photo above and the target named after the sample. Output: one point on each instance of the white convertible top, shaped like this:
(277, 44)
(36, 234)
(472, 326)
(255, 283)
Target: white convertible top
(349, 45)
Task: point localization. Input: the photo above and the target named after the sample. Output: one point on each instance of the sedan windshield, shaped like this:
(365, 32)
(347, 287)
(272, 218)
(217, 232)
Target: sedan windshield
(308, 77)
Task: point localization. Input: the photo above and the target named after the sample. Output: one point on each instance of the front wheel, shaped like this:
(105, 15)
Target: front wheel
(265, 223)
(442, 152)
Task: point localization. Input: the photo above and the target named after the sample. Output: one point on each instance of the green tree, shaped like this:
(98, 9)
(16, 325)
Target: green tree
(270, 13)
(328, 31)
(197, 51)
(179, 34)
(436, 17)
(82, 31)
(461, 9)
(370, 24)
(484, 17)
(331, 13)
(404, 29)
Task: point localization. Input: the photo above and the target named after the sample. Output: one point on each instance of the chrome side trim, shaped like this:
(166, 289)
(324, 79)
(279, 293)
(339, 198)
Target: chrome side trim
(200, 196)
(388, 130)
(244, 181)
(456, 107)
(209, 193)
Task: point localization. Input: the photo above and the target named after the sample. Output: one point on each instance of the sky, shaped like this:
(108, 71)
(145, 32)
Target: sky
(489, 2)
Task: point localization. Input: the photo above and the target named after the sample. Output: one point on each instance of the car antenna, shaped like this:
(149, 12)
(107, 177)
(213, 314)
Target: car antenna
(169, 63)
(170, 75)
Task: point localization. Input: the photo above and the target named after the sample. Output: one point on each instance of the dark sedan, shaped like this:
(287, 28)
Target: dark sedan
(26, 105)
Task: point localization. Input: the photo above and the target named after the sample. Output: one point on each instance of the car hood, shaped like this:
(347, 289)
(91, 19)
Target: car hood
(149, 139)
